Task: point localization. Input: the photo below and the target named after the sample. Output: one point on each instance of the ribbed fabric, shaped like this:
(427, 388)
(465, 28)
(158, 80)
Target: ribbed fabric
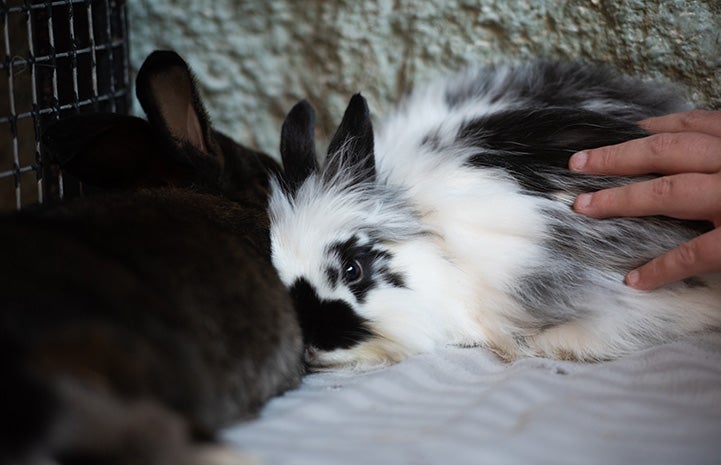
(463, 406)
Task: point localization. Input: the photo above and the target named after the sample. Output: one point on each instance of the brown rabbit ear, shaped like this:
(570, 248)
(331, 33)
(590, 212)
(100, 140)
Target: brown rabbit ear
(169, 96)
(108, 150)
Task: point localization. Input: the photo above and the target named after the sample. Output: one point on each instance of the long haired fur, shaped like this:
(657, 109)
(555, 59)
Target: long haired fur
(138, 321)
(454, 224)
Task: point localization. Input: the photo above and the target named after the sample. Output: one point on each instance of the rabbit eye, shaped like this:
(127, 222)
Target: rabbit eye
(352, 271)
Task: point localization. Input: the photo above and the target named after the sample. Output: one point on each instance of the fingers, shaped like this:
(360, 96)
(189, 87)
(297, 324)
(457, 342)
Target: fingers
(684, 142)
(689, 196)
(686, 148)
(666, 153)
(703, 121)
(698, 256)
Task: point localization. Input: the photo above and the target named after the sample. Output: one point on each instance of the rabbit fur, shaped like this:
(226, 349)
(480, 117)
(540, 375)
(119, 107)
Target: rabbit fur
(139, 320)
(452, 224)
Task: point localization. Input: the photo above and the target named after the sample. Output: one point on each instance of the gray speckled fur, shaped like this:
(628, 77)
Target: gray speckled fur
(477, 163)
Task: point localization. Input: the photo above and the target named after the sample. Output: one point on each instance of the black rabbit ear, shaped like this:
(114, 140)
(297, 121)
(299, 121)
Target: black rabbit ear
(352, 145)
(108, 150)
(167, 91)
(297, 145)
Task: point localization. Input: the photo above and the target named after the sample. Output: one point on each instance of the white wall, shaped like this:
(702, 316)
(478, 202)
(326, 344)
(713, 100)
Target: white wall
(256, 58)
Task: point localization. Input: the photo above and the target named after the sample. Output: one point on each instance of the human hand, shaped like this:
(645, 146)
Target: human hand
(685, 148)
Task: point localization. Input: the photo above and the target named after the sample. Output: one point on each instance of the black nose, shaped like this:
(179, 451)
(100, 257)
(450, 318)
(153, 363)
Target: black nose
(327, 324)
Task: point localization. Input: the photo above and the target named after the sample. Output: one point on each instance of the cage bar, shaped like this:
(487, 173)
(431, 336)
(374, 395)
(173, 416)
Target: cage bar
(61, 57)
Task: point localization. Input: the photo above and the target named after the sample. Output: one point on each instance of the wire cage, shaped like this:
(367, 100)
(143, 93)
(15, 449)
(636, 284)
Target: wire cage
(61, 57)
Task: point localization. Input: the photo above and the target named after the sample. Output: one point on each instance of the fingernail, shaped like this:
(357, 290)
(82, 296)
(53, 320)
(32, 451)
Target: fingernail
(578, 161)
(633, 278)
(582, 202)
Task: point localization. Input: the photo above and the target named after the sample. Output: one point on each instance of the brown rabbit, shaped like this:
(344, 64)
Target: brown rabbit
(140, 319)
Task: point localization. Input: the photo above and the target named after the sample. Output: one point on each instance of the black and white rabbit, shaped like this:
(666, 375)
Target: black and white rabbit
(454, 226)
(139, 320)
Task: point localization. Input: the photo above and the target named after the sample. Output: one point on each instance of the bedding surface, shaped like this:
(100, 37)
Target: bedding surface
(464, 406)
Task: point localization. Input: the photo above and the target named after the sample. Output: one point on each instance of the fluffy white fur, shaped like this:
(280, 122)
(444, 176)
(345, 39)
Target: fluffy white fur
(462, 237)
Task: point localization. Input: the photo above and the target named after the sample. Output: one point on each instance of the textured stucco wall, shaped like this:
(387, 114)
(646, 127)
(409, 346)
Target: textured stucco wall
(256, 58)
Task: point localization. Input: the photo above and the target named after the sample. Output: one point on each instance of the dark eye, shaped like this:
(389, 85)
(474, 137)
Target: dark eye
(352, 271)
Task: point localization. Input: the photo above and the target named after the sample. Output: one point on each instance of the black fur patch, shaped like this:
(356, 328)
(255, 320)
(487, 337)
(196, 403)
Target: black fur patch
(373, 261)
(530, 145)
(28, 403)
(327, 324)
(394, 279)
(332, 274)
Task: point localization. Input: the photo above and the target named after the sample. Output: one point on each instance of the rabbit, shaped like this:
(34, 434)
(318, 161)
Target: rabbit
(140, 319)
(452, 224)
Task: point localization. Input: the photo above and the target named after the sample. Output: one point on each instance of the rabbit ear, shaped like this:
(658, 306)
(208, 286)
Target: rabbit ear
(174, 147)
(297, 145)
(108, 150)
(168, 94)
(352, 145)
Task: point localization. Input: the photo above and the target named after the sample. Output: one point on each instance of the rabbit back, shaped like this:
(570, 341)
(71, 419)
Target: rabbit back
(122, 265)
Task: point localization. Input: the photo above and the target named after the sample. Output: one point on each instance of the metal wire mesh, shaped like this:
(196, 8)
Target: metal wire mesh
(60, 57)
